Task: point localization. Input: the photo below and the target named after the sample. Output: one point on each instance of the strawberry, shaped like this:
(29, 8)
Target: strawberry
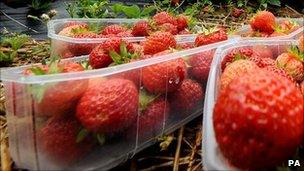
(108, 107)
(292, 63)
(164, 77)
(287, 26)
(164, 17)
(235, 70)
(127, 33)
(187, 45)
(158, 42)
(154, 112)
(72, 23)
(182, 22)
(213, 37)
(200, 65)
(167, 27)
(258, 120)
(302, 87)
(301, 44)
(187, 97)
(78, 49)
(278, 71)
(263, 21)
(70, 30)
(57, 98)
(113, 29)
(111, 51)
(57, 141)
(237, 53)
(262, 62)
(236, 12)
(141, 28)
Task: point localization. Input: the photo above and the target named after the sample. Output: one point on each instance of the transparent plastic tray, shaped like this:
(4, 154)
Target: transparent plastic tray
(294, 35)
(25, 121)
(60, 43)
(213, 159)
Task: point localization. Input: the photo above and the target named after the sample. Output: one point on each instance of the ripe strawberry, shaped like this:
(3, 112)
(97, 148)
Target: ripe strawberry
(262, 62)
(237, 53)
(152, 116)
(164, 77)
(127, 33)
(57, 98)
(70, 30)
(158, 42)
(188, 45)
(235, 70)
(72, 23)
(141, 28)
(164, 17)
(287, 26)
(109, 107)
(216, 36)
(167, 27)
(278, 71)
(292, 63)
(236, 12)
(78, 49)
(301, 44)
(263, 21)
(255, 125)
(200, 65)
(182, 22)
(187, 97)
(100, 56)
(57, 141)
(113, 29)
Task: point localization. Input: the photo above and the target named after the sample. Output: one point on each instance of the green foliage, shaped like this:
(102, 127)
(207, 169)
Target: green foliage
(264, 3)
(88, 9)
(40, 5)
(16, 42)
(133, 11)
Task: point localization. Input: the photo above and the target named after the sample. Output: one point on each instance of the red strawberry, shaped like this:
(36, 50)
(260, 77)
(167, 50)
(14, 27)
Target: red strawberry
(301, 44)
(78, 49)
(216, 36)
(292, 63)
(185, 45)
(167, 27)
(236, 12)
(113, 29)
(152, 117)
(263, 21)
(188, 96)
(108, 107)
(287, 26)
(200, 65)
(57, 141)
(70, 30)
(235, 70)
(164, 77)
(278, 71)
(99, 58)
(141, 28)
(262, 62)
(158, 42)
(72, 23)
(164, 17)
(302, 87)
(237, 53)
(59, 97)
(182, 22)
(258, 120)
(127, 33)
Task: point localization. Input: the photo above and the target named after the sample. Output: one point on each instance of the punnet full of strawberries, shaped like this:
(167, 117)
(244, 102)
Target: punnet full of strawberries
(258, 117)
(85, 114)
(265, 24)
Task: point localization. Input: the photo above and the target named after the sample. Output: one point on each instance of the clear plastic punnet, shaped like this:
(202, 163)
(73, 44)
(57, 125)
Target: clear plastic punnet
(65, 46)
(104, 116)
(293, 35)
(213, 159)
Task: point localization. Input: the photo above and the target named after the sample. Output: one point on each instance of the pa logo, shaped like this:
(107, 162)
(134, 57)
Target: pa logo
(294, 163)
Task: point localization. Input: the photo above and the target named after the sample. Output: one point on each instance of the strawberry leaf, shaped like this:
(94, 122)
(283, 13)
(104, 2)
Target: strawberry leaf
(37, 71)
(145, 99)
(81, 135)
(115, 56)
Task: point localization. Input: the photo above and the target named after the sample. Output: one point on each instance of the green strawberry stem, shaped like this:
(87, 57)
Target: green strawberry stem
(145, 99)
(81, 135)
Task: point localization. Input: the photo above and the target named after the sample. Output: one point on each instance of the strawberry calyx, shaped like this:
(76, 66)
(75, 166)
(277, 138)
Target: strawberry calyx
(83, 133)
(145, 99)
(124, 55)
(296, 53)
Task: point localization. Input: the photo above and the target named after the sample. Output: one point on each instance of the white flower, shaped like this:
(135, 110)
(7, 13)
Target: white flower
(52, 13)
(45, 17)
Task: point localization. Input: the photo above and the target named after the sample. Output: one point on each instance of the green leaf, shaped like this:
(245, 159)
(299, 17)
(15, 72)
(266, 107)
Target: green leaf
(37, 71)
(117, 8)
(131, 11)
(275, 2)
(123, 50)
(38, 92)
(81, 135)
(115, 56)
(148, 10)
